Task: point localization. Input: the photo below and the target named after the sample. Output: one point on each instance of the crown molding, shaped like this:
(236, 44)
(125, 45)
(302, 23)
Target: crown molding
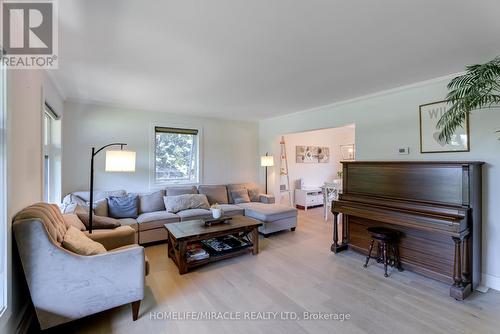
(371, 96)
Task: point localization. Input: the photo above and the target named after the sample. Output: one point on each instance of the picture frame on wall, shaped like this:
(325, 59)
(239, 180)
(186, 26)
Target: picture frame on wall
(430, 114)
(312, 154)
(348, 152)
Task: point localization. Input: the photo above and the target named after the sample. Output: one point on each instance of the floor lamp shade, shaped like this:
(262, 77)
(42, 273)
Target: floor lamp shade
(120, 161)
(267, 161)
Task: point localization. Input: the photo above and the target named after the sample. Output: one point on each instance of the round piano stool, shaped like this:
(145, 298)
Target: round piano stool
(387, 242)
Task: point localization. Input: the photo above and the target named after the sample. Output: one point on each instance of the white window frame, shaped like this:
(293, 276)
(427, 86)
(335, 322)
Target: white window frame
(46, 154)
(51, 148)
(153, 183)
(3, 189)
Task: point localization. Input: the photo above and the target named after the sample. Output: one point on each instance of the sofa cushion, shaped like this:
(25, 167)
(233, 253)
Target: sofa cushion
(77, 242)
(123, 207)
(192, 214)
(72, 219)
(215, 193)
(132, 222)
(178, 203)
(240, 196)
(268, 212)
(152, 220)
(151, 202)
(238, 186)
(174, 191)
(85, 195)
(157, 215)
(99, 222)
(113, 238)
(232, 209)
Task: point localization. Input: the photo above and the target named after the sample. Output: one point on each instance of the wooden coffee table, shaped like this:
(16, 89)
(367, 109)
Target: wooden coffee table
(186, 232)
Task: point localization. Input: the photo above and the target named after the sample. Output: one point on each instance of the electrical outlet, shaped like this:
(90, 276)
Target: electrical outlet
(404, 151)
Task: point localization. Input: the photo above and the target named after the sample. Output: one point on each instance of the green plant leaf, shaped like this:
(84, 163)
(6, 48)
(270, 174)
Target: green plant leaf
(478, 88)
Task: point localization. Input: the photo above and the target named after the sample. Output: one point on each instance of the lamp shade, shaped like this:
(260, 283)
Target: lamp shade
(120, 161)
(267, 161)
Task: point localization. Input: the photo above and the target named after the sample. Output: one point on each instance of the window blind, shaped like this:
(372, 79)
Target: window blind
(161, 129)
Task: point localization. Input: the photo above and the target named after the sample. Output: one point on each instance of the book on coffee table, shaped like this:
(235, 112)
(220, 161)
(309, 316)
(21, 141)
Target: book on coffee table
(224, 244)
(195, 252)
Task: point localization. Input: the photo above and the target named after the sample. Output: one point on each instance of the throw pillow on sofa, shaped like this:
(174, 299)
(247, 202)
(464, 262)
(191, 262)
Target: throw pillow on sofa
(254, 194)
(71, 219)
(123, 206)
(240, 196)
(100, 207)
(151, 202)
(98, 222)
(77, 242)
(178, 203)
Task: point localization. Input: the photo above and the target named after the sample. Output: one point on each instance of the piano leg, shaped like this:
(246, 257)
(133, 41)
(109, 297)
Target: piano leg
(397, 259)
(345, 231)
(460, 289)
(336, 247)
(466, 269)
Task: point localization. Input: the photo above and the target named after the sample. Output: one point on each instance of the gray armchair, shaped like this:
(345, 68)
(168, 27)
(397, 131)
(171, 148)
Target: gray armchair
(65, 286)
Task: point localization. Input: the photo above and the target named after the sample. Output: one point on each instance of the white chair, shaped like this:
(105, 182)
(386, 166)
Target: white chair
(331, 191)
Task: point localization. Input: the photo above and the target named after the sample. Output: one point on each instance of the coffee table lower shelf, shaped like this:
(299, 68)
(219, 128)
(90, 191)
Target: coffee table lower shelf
(214, 258)
(177, 246)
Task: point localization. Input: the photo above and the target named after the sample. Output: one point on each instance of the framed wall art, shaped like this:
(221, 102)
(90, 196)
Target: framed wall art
(312, 154)
(348, 152)
(430, 114)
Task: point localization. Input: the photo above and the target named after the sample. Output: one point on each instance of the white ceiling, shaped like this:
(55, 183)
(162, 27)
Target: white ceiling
(255, 59)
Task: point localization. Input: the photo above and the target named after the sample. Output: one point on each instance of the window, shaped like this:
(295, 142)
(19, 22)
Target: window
(3, 191)
(46, 156)
(176, 155)
(51, 155)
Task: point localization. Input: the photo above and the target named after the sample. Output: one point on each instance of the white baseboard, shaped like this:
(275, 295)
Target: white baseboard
(490, 281)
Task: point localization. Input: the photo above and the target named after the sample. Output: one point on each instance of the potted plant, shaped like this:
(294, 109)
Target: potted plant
(478, 88)
(216, 211)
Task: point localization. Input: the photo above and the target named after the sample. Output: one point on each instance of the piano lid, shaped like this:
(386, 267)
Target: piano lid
(444, 183)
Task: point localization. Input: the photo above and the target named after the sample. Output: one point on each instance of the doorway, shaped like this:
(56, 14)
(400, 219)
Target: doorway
(313, 161)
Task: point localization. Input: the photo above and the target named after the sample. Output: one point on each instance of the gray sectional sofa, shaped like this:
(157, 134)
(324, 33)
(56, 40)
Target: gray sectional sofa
(153, 215)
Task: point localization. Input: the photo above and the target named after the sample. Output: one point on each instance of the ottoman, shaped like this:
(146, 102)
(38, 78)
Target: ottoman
(276, 217)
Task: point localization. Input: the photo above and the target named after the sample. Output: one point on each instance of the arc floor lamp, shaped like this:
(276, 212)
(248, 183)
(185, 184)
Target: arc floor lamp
(116, 161)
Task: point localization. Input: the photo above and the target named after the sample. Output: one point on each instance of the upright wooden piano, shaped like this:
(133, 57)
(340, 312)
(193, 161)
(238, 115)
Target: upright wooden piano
(435, 205)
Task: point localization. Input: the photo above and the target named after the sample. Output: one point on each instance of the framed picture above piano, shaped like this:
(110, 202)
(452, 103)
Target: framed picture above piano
(430, 114)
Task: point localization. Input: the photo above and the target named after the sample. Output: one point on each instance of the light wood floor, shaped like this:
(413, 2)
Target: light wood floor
(296, 272)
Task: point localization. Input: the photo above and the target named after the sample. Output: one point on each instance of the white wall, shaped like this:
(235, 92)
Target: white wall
(315, 175)
(26, 91)
(389, 120)
(230, 148)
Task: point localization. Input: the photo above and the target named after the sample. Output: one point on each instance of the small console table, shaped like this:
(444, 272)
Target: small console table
(307, 198)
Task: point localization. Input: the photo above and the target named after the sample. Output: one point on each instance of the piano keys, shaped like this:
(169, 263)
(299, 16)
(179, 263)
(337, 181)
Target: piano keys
(435, 205)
